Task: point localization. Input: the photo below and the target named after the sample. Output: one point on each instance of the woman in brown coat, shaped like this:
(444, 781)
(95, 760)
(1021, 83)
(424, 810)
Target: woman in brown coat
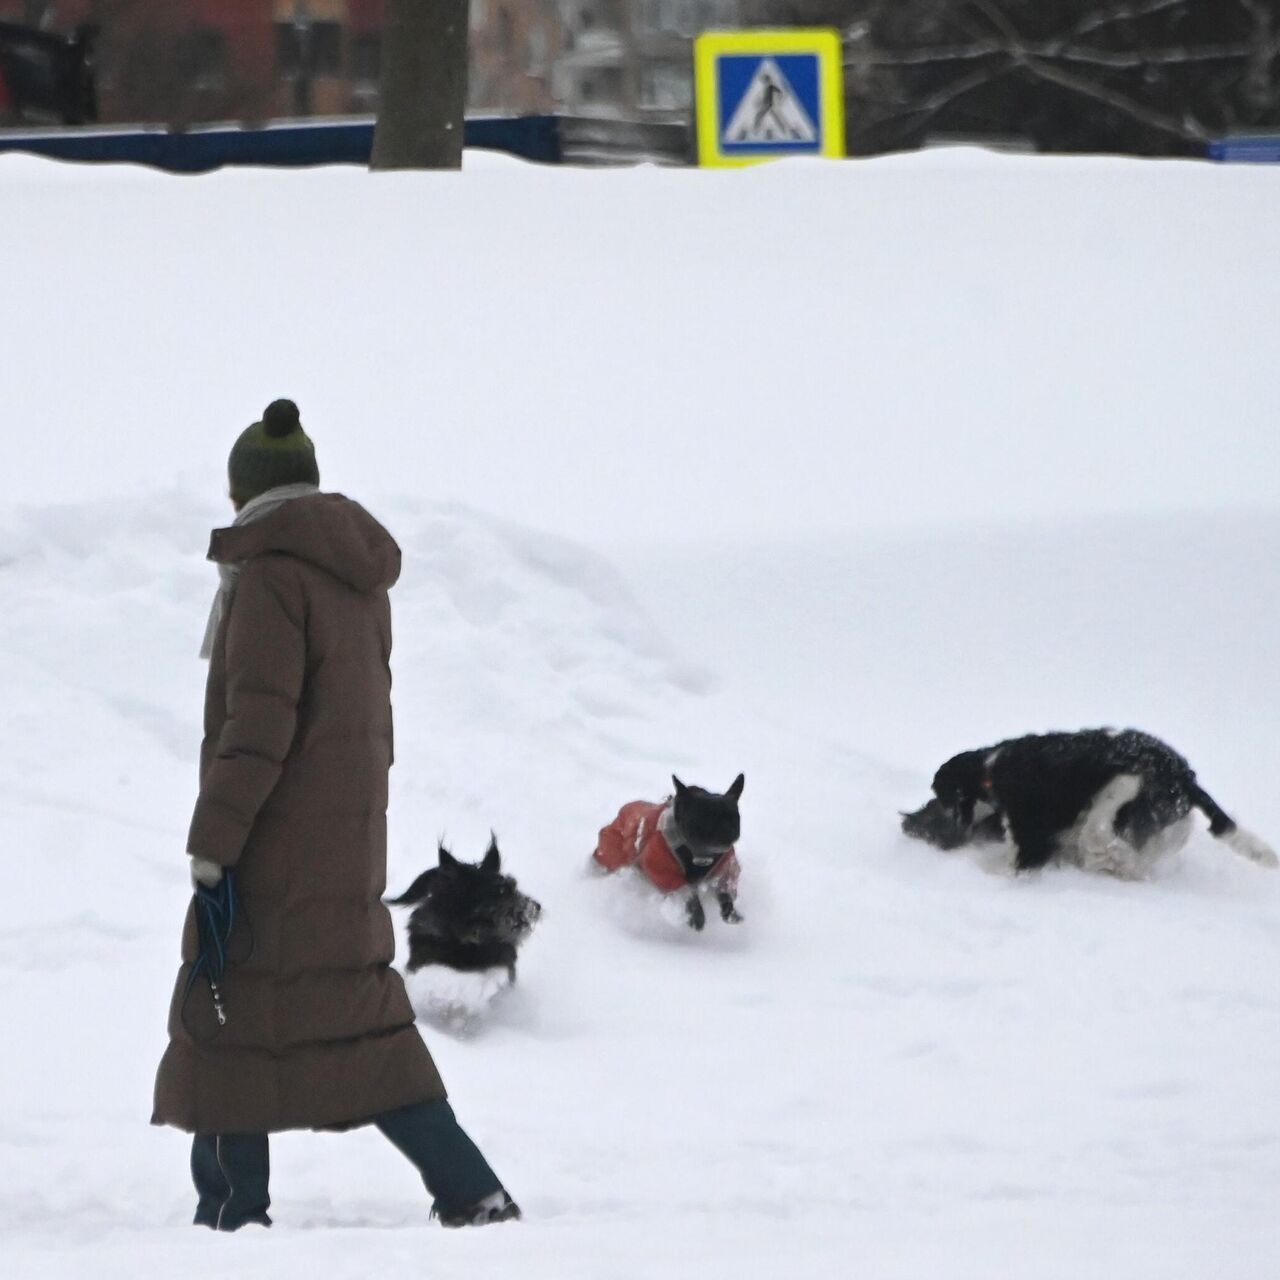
(310, 1026)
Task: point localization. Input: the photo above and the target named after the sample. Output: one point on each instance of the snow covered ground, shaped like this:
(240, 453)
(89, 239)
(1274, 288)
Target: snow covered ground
(816, 472)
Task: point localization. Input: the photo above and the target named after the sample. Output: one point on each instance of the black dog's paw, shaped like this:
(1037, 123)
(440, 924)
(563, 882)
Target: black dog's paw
(728, 911)
(693, 910)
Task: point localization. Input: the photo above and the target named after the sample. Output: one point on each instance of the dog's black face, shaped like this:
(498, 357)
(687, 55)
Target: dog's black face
(948, 820)
(469, 916)
(478, 904)
(710, 823)
(937, 823)
(706, 819)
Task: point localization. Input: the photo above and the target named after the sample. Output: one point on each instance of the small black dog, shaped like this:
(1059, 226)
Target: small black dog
(1107, 800)
(684, 844)
(468, 917)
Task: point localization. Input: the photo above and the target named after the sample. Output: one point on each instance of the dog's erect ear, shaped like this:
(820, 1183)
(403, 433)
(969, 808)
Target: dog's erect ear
(736, 789)
(680, 787)
(417, 890)
(492, 862)
(446, 858)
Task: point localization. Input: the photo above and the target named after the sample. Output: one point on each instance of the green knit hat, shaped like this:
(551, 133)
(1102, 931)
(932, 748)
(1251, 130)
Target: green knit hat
(272, 452)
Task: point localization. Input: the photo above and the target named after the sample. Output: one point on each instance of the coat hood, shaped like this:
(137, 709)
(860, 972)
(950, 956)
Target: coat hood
(325, 529)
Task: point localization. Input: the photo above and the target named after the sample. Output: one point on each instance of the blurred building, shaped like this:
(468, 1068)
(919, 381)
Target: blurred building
(515, 45)
(634, 58)
(46, 77)
(186, 61)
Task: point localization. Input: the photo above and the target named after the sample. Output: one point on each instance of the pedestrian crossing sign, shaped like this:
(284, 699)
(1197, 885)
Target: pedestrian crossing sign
(763, 94)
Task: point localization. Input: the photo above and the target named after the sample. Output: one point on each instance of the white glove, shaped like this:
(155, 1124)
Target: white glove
(204, 872)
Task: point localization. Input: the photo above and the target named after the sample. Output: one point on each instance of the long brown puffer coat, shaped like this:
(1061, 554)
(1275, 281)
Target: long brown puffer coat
(293, 795)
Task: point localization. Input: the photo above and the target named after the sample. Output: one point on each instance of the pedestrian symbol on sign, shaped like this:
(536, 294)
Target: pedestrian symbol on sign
(770, 111)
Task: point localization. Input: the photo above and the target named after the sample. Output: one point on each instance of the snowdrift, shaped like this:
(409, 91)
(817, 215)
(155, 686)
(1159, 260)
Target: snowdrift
(1014, 474)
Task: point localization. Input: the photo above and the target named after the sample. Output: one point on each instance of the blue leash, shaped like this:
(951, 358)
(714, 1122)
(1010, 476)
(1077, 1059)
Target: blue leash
(215, 919)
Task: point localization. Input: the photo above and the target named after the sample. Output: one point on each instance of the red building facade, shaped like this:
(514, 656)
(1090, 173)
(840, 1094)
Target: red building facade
(181, 62)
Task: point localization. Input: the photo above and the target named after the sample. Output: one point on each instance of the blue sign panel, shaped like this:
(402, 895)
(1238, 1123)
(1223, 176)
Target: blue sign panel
(770, 104)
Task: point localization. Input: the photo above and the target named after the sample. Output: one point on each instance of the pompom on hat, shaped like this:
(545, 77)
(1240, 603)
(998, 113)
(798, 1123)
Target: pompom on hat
(271, 453)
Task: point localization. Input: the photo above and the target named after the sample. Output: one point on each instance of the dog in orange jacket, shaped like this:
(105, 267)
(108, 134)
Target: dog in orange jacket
(684, 844)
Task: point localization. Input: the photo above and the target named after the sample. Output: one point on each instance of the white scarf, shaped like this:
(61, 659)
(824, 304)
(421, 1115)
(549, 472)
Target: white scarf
(263, 505)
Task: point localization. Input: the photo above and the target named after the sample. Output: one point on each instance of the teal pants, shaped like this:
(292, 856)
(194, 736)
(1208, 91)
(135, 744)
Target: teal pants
(231, 1171)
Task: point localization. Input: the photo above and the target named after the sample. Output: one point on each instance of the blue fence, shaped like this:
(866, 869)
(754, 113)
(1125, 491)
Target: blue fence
(310, 142)
(545, 138)
(1247, 149)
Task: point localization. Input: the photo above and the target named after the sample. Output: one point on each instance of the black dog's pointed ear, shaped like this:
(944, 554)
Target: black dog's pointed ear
(736, 789)
(492, 862)
(446, 858)
(680, 787)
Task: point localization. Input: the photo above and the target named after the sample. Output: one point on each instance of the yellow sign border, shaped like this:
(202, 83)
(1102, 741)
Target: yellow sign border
(822, 41)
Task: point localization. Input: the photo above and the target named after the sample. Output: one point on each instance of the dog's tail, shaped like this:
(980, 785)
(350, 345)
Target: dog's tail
(416, 891)
(1235, 837)
(1220, 823)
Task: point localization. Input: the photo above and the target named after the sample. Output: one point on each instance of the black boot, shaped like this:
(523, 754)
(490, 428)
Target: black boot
(499, 1207)
(466, 1191)
(231, 1171)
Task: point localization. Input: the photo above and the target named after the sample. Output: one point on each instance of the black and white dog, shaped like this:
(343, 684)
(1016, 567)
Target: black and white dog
(1106, 800)
(468, 917)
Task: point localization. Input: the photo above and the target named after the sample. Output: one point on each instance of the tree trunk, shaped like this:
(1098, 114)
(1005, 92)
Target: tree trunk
(424, 85)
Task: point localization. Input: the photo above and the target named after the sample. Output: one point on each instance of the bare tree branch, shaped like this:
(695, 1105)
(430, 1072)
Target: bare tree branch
(945, 96)
(1171, 73)
(996, 16)
(1123, 12)
(1189, 129)
(921, 112)
(1259, 87)
(1051, 50)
